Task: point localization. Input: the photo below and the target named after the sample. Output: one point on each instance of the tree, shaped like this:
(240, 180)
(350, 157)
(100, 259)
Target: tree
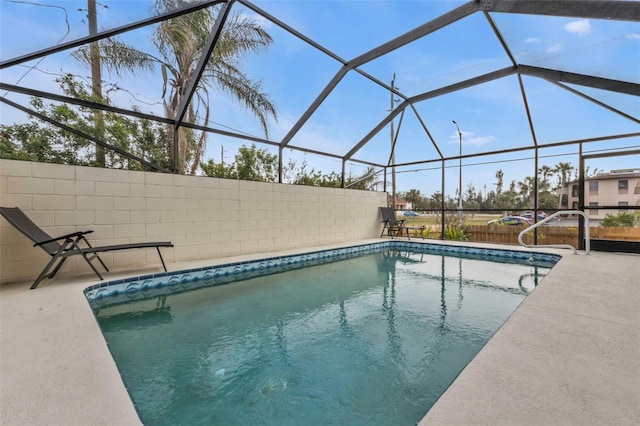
(545, 171)
(547, 200)
(434, 202)
(526, 190)
(499, 182)
(414, 197)
(250, 164)
(96, 80)
(180, 42)
(564, 171)
(302, 176)
(45, 142)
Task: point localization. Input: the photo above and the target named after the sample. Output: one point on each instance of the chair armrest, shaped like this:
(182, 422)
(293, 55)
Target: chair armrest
(64, 237)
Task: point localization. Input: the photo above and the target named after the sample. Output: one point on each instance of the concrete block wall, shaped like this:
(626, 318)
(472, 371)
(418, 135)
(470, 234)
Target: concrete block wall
(203, 217)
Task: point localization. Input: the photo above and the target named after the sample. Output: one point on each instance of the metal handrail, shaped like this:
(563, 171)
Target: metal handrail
(587, 245)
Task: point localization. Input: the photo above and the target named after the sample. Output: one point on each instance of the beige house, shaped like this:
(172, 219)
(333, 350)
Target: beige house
(401, 204)
(614, 188)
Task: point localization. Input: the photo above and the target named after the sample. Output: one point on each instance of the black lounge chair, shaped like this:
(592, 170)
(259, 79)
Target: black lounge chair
(70, 245)
(393, 226)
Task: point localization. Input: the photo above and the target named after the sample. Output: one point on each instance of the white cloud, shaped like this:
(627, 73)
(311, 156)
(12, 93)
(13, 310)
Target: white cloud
(633, 36)
(479, 140)
(532, 40)
(469, 139)
(580, 28)
(555, 48)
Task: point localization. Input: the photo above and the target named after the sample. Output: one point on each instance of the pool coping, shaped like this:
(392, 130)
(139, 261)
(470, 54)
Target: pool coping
(137, 287)
(56, 368)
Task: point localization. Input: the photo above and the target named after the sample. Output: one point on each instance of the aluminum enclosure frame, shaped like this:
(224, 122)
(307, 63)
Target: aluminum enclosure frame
(597, 9)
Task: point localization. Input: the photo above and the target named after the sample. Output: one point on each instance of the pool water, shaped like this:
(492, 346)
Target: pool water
(368, 340)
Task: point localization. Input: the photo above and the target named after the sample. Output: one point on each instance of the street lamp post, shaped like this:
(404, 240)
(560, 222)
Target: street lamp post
(460, 176)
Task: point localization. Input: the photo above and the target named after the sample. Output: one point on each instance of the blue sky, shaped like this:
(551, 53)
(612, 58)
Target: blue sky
(491, 116)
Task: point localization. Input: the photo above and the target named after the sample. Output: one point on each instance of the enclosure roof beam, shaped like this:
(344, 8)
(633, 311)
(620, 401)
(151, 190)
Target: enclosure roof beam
(110, 33)
(82, 102)
(314, 106)
(315, 44)
(522, 148)
(475, 81)
(292, 31)
(581, 79)
(83, 135)
(214, 35)
(597, 102)
(595, 9)
(376, 129)
(428, 95)
(426, 130)
(381, 50)
(415, 34)
(127, 112)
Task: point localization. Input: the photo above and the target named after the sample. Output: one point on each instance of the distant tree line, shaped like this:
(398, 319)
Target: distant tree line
(518, 196)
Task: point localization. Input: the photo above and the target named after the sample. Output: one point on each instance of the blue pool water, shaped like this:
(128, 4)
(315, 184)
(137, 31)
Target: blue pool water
(371, 337)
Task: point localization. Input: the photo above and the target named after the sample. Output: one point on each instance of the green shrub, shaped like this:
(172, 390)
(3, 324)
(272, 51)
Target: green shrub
(455, 232)
(622, 219)
(423, 232)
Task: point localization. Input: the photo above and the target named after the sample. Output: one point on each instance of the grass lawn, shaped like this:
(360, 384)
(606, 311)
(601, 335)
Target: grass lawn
(430, 219)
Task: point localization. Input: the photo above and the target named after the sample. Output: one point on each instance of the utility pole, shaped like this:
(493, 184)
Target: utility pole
(222, 154)
(460, 176)
(96, 80)
(393, 151)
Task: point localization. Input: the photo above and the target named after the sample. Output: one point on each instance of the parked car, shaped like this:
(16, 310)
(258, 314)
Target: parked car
(529, 215)
(410, 213)
(510, 220)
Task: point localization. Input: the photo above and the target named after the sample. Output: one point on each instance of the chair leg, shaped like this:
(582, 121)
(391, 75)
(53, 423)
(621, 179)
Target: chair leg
(387, 227)
(58, 266)
(45, 271)
(95, 255)
(91, 264)
(161, 259)
(84, 256)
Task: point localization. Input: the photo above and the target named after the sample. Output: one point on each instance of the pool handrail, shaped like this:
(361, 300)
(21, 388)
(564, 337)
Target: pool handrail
(587, 245)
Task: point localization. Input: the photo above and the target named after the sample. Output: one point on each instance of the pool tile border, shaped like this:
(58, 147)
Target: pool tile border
(135, 288)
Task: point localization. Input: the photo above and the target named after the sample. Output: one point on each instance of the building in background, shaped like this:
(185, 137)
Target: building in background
(615, 188)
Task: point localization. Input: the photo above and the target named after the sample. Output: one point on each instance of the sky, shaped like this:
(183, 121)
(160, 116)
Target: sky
(491, 116)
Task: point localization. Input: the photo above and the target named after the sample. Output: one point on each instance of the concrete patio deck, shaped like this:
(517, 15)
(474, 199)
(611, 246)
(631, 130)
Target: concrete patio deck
(570, 354)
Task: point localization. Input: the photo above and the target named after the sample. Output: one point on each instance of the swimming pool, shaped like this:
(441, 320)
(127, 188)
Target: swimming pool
(370, 335)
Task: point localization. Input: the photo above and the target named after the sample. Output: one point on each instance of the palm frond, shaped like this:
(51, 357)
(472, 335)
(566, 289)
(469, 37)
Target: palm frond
(249, 94)
(118, 57)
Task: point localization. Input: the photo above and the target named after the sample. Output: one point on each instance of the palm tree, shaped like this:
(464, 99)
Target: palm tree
(180, 42)
(414, 197)
(499, 183)
(545, 171)
(526, 188)
(564, 171)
